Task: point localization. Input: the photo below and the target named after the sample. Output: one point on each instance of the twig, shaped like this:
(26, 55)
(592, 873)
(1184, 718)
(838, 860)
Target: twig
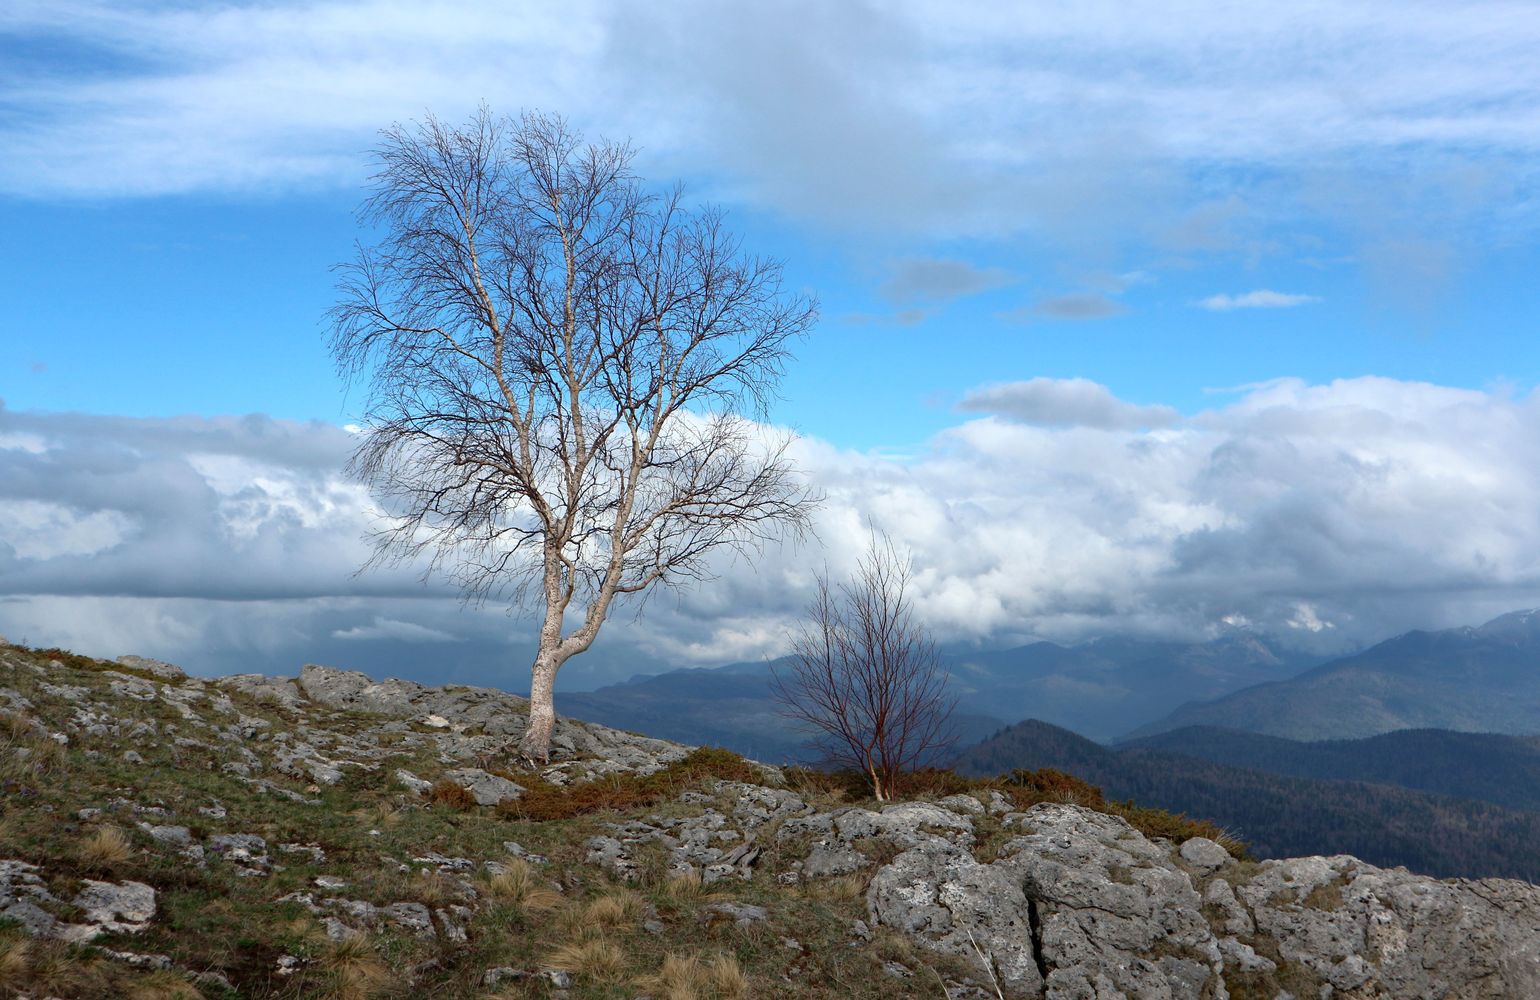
(989, 966)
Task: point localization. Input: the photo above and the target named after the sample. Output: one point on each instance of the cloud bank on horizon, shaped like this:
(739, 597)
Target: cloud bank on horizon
(1339, 512)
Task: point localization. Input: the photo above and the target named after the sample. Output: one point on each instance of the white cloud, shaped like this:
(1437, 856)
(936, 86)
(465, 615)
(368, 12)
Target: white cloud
(1262, 298)
(1336, 512)
(390, 630)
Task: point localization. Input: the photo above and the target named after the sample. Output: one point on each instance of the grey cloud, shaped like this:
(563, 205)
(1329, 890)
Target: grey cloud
(936, 280)
(903, 317)
(1073, 402)
(1069, 307)
(240, 508)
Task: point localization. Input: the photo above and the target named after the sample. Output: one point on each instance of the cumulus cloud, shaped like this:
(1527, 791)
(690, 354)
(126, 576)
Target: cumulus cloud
(1262, 298)
(1332, 513)
(1071, 402)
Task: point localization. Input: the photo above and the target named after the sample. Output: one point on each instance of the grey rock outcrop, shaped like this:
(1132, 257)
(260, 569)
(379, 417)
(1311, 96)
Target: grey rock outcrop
(475, 718)
(486, 789)
(160, 668)
(99, 907)
(1081, 905)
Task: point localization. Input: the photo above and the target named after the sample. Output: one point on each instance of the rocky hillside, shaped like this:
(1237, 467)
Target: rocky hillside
(327, 836)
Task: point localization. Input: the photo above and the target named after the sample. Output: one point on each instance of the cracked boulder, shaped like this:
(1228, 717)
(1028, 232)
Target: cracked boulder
(486, 789)
(1080, 906)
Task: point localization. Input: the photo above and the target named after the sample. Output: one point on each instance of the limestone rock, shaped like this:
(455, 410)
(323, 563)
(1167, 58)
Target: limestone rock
(1205, 855)
(118, 908)
(611, 855)
(829, 860)
(165, 671)
(1359, 927)
(349, 689)
(278, 690)
(937, 894)
(487, 789)
(22, 895)
(412, 782)
(1081, 905)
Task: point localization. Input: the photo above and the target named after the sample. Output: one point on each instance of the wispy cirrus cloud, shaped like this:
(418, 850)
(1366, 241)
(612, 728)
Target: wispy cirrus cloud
(930, 279)
(1075, 306)
(1262, 298)
(391, 630)
(939, 118)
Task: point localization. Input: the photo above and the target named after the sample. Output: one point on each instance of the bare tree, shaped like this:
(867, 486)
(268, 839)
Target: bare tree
(865, 677)
(556, 361)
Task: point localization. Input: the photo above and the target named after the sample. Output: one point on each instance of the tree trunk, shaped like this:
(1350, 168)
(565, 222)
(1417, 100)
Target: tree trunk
(536, 745)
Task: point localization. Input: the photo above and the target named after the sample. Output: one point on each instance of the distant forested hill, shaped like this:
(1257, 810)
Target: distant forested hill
(1504, 770)
(1281, 815)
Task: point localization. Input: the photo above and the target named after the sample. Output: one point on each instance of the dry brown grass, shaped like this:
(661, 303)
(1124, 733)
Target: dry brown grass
(435, 889)
(841, 889)
(354, 970)
(446, 793)
(614, 909)
(599, 960)
(26, 750)
(164, 985)
(687, 888)
(55, 971)
(383, 815)
(15, 958)
(688, 977)
(520, 886)
(107, 848)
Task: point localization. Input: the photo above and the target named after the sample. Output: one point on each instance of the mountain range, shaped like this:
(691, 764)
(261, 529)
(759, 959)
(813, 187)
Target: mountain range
(1484, 679)
(1101, 689)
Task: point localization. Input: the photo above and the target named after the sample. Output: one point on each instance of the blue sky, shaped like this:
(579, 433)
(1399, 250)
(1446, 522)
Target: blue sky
(1038, 234)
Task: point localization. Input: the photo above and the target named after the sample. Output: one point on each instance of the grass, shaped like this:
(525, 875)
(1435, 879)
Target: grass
(614, 909)
(165, 985)
(543, 802)
(598, 960)
(689, 977)
(106, 850)
(15, 957)
(353, 970)
(518, 887)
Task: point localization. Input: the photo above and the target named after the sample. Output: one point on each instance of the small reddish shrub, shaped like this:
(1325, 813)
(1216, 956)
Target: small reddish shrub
(446, 793)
